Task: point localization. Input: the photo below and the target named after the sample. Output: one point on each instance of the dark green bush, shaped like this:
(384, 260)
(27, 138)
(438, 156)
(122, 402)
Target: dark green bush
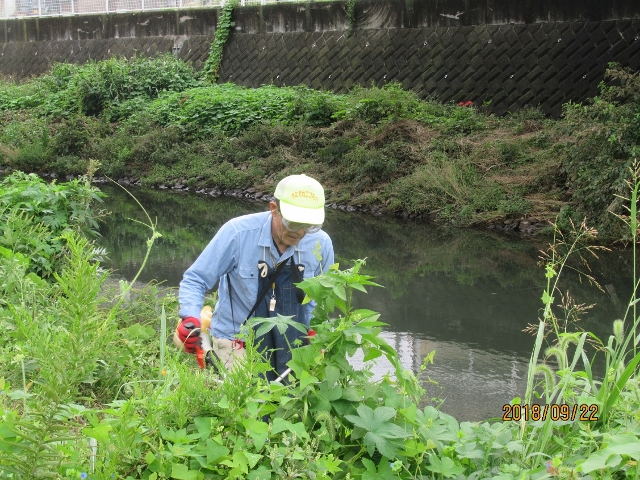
(76, 135)
(94, 87)
(608, 140)
(34, 214)
(102, 84)
(70, 165)
(365, 167)
(116, 154)
(487, 197)
(34, 154)
(375, 105)
(337, 148)
(233, 109)
(317, 109)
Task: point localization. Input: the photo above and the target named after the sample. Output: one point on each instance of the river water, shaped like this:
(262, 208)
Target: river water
(466, 294)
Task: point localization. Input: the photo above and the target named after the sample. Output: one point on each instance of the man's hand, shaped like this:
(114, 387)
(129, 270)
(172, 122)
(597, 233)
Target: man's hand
(189, 333)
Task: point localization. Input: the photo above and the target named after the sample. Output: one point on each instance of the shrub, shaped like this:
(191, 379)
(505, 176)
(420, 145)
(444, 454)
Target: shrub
(233, 109)
(34, 214)
(337, 148)
(608, 139)
(77, 135)
(102, 84)
(32, 157)
(375, 105)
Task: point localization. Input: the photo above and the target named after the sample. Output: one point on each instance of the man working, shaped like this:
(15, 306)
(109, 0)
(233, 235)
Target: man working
(257, 259)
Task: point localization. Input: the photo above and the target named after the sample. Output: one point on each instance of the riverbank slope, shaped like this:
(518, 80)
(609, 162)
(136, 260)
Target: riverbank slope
(382, 150)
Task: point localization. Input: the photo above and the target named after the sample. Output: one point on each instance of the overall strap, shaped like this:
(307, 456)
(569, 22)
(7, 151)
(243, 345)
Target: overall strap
(262, 293)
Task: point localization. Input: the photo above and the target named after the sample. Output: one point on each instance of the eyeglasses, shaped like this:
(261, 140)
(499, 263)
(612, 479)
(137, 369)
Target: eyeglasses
(294, 227)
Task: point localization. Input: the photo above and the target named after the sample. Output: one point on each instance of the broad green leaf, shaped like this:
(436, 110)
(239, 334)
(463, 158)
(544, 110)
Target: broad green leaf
(605, 458)
(410, 412)
(182, 472)
(351, 394)
(179, 450)
(253, 458)
(141, 332)
(99, 432)
(304, 359)
(307, 379)
(470, 450)
(329, 391)
(239, 463)
(224, 402)
(261, 473)
(331, 375)
(444, 466)
(385, 441)
(625, 444)
(380, 432)
(382, 472)
(203, 425)
(281, 425)
(257, 430)
(215, 452)
(340, 292)
(363, 314)
(327, 463)
(37, 280)
(413, 448)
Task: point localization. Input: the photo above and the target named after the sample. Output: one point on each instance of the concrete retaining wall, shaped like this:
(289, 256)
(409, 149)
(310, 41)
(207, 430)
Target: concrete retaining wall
(505, 53)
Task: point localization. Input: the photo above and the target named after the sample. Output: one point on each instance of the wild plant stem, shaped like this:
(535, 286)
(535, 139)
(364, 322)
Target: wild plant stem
(24, 388)
(356, 456)
(154, 235)
(163, 339)
(633, 220)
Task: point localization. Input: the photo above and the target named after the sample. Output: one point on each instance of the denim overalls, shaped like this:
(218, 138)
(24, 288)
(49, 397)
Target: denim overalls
(288, 301)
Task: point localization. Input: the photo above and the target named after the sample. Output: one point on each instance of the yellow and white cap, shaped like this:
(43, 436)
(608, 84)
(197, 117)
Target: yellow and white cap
(301, 199)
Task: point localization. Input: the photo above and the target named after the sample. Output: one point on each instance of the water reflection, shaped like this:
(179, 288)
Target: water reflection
(465, 294)
(472, 383)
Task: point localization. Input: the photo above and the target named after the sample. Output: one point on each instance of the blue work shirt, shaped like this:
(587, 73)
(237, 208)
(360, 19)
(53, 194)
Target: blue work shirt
(235, 250)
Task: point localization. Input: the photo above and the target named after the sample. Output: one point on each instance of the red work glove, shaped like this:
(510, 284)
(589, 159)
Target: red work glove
(310, 333)
(189, 333)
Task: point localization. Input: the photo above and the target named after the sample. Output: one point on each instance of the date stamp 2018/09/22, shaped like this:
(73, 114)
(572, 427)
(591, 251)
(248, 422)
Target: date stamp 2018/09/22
(555, 412)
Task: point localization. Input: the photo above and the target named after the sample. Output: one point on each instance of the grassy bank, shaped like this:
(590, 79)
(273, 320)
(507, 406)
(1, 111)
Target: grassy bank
(159, 122)
(92, 388)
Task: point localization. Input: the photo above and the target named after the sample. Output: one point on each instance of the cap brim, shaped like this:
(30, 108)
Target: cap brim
(311, 216)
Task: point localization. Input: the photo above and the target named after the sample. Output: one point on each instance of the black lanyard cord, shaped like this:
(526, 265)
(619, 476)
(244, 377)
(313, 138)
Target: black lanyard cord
(271, 279)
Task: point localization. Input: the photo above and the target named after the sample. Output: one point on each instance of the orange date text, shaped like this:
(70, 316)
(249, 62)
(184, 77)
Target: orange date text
(555, 412)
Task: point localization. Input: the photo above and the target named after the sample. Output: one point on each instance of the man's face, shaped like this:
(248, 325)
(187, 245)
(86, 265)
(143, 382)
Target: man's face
(281, 235)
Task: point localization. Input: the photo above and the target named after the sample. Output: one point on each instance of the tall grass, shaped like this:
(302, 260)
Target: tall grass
(570, 379)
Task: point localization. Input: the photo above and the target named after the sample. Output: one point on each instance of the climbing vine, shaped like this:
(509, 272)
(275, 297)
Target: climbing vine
(351, 15)
(212, 65)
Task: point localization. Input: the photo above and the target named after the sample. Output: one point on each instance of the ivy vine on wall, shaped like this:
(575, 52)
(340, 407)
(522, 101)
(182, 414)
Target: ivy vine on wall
(351, 15)
(212, 65)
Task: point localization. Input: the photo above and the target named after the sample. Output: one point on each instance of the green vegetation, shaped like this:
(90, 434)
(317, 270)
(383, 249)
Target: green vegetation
(212, 65)
(160, 121)
(89, 389)
(351, 16)
(35, 215)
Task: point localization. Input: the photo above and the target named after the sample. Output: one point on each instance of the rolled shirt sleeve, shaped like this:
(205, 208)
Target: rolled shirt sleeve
(217, 259)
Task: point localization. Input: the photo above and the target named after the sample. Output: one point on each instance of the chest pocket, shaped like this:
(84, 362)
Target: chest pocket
(248, 276)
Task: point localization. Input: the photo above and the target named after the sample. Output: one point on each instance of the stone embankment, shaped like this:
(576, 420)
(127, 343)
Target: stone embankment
(520, 226)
